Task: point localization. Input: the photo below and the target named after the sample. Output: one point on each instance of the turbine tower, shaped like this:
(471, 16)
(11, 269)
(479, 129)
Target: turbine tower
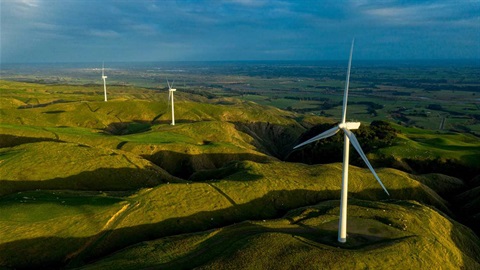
(104, 81)
(348, 136)
(170, 100)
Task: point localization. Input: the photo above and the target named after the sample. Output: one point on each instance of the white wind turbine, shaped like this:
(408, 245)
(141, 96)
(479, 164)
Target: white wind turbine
(348, 136)
(104, 81)
(170, 100)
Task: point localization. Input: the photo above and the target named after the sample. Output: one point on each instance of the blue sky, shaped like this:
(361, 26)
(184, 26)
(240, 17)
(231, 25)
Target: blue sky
(203, 30)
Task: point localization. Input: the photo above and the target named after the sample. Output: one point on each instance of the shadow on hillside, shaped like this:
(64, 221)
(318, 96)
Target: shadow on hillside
(118, 179)
(126, 128)
(272, 139)
(233, 171)
(444, 166)
(140, 126)
(179, 121)
(467, 204)
(332, 152)
(7, 140)
(41, 105)
(184, 165)
(54, 112)
(274, 204)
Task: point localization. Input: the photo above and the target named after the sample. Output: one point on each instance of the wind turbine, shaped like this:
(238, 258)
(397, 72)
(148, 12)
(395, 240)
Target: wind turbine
(104, 81)
(348, 136)
(170, 100)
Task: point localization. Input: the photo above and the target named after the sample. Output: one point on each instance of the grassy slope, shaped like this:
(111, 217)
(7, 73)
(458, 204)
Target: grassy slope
(207, 144)
(54, 165)
(60, 222)
(419, 144)
(381, 235)
(62, 146)
(258, 191)
(73, 112)
(253, 191)
(448, 153)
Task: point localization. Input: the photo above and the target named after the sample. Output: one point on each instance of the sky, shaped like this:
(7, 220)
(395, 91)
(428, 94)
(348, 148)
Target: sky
(228, 30)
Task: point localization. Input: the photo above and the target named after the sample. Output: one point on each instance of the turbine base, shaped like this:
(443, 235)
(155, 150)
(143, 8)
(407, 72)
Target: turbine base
(342, 240)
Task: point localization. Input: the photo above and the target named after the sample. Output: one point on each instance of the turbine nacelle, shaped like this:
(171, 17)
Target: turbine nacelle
(104, 77)
(349, 125)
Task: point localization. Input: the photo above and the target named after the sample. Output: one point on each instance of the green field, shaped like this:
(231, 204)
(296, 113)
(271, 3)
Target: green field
(111, 185)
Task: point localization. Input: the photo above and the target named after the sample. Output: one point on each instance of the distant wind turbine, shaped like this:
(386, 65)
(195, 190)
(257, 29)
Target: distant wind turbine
(104, 81)
(348, 136)
(170, 100)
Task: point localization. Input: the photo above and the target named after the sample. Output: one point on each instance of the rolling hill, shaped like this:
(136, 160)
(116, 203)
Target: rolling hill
(92, 184)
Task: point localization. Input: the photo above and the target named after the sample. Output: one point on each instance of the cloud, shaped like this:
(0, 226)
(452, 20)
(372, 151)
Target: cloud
(29, 3)
(103, 33)
(234, 29)
(398, 15)
(142, 28)
(418, 13)
(247, 3)
(22, 9)
(41, 26)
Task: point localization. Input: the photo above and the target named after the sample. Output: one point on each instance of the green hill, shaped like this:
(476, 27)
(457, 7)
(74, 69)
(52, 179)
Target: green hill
(253, 191)
(87, 183)
(424, 151)
(59, 166)
(305, 238)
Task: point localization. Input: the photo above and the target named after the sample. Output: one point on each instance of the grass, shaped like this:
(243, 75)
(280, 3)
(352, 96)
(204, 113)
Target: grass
(50, 217)
(36, 166)
(254, 191)
(420, 144)
(306, 238)
(85, 179)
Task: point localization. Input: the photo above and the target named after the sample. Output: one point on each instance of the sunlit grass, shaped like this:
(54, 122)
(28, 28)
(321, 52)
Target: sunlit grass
(306, 238)
(53, 154)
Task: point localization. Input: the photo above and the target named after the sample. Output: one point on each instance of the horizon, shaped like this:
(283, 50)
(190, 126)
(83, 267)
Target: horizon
(473, 60)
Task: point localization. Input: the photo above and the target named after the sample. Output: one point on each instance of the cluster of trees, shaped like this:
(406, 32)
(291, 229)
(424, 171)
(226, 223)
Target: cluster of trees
(202, 93)
(308, 98)
(372, 107)
(377, 135)
(438, 107)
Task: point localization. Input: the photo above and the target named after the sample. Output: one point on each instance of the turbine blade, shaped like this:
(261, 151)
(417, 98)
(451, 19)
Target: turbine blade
(347, 83)
(169, 98)
(169, 87)
(173, 83)
(357, 147)
(323, 135)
